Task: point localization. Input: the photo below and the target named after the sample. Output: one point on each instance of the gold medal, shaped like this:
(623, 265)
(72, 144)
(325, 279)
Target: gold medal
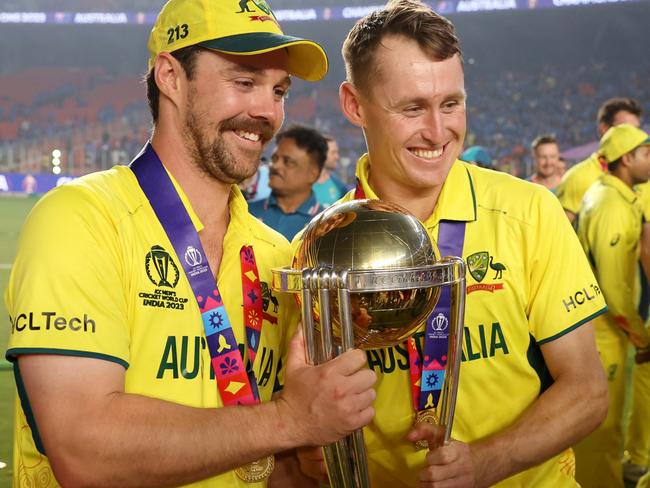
(426, 416)
(257, 470)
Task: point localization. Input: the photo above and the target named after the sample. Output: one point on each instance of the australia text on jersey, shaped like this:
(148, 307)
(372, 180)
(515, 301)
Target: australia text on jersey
(489, 341)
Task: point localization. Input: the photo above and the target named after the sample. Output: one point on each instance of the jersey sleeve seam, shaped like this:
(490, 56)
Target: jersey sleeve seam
(13, 353)
(573, 327)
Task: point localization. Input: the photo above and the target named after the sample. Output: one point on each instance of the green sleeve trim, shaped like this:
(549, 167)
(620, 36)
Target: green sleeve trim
(12, 354)
(27, 409)
(573, 327)
(536, 361)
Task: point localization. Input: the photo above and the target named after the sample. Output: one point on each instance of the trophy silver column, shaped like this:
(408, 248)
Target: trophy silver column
(367, 276)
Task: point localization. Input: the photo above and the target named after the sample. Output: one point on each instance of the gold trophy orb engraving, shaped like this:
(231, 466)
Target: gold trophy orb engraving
(371, 235)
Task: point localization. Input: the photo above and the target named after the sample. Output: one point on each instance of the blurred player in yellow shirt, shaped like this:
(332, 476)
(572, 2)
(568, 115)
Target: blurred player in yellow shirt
(609, 228)
(577, 180)
(574, 185)
(637, 440)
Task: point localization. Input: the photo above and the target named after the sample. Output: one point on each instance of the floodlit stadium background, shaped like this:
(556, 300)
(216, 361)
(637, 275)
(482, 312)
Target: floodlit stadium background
(71, 100)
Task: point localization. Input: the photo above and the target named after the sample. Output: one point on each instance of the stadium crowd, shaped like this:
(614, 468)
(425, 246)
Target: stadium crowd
(97, 128)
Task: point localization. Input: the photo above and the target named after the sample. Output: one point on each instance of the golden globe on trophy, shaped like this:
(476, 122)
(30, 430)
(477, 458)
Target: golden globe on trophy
(367, 275)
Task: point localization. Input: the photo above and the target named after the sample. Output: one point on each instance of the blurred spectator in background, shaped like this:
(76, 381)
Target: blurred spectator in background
(296, 163)
(29, 184)
(609, 228)
(329, 187)
(479, 156)
(546, 156)
(579, 178)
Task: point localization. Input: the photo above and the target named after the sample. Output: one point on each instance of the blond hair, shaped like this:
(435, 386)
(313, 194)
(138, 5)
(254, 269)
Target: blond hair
(409, 18)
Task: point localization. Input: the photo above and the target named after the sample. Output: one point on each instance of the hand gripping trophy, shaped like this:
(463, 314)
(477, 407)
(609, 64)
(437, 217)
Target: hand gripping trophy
(367, 276)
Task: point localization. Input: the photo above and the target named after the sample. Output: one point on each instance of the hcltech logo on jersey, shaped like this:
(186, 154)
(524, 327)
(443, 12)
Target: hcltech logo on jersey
(479, 265)
(580, 297)
(51, 321)
(163, 272)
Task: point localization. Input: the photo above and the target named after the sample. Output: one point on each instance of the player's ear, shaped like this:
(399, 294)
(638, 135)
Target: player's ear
(351, 103)
(170, 77)
(627, 158)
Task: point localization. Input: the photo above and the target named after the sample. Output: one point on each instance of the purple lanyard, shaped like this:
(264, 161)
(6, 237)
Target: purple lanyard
(451, 238)
(236, 384)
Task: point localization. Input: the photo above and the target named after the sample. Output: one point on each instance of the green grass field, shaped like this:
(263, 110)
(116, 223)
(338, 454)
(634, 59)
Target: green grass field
(13, 211)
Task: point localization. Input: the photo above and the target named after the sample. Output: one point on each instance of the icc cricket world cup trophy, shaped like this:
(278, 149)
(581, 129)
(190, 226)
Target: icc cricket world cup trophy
(367, 275)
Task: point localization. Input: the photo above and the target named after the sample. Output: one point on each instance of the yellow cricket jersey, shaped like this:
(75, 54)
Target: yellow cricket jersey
(576, 181)
(84, 284)
(528, 284)
(609, 228)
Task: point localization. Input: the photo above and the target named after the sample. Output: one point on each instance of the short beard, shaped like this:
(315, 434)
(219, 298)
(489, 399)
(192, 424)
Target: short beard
(212, 157)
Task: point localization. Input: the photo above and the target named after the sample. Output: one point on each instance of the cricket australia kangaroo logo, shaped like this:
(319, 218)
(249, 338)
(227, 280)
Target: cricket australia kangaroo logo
(260, 4)
(263, 6)
(478, 264)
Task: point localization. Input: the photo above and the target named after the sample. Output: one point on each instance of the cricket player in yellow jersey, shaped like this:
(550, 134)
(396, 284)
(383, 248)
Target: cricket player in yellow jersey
(530, 383)
(574, 185)
(637, 439)
(609, 228)
(577, 180)
(140, 300)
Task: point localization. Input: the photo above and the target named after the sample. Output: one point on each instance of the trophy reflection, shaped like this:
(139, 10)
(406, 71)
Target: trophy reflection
(367, 275)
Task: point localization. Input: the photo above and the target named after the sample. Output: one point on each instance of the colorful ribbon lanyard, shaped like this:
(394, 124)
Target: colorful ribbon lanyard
(428, 374)
(236, 383)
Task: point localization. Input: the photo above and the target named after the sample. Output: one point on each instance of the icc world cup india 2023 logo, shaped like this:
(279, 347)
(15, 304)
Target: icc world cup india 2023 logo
(160, 267)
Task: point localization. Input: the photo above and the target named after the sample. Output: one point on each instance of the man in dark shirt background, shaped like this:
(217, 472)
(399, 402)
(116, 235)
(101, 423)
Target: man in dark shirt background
(296, 164)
